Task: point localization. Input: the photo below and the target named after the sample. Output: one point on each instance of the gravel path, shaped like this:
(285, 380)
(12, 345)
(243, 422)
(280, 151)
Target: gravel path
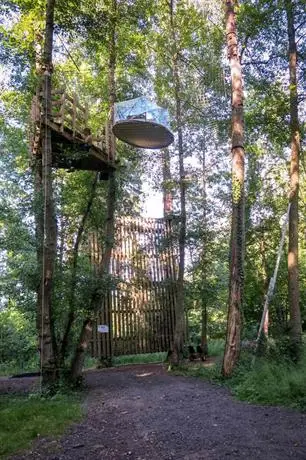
(142, 413)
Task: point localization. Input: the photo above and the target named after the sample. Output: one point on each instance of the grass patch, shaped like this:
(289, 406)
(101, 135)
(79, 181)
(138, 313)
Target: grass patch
(22, 419)
(145, 358)
(271, 382)
(139, 359)
(90, 362)
(216, 347)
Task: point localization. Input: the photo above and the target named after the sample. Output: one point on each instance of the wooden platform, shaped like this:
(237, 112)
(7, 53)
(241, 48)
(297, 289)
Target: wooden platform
(72, 152)
(72, 147)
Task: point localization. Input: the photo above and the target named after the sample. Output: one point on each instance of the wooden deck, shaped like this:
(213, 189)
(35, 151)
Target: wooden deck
(73, 146)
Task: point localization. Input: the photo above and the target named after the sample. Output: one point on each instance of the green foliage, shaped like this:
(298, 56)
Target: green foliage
(216, 347)
(23, 419)
(271, 381)
(139, 359)
(18, 341)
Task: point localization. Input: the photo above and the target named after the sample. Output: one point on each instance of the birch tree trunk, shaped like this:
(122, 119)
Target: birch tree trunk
(47, 338)
(293, 247)
(232, 346)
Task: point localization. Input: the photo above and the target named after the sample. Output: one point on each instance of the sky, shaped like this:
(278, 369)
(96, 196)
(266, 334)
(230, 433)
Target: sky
(153, 203)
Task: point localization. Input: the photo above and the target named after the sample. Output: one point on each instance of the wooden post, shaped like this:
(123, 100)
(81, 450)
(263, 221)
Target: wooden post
(74, 114)
(62, 111)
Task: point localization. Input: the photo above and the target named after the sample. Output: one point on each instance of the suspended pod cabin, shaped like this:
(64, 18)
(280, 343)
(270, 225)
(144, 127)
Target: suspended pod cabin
(142, 123)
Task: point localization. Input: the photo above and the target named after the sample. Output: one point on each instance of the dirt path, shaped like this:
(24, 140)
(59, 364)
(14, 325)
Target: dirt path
(142, 413)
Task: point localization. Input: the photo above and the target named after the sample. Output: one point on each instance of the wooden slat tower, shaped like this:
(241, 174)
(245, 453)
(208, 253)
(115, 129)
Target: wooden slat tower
(140, 309)
(73, 146)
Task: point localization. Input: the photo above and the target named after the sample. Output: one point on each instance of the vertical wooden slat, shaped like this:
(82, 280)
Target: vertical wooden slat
(134, 303)
(142, 292)
(154, 313)
(137, 290)
(130, 284)
(86, 113)
(74, 114)
(63, 112)
(170, 277)
(158, 230)
(107, 138)
(150, 293)
(99, 337)
(146, 312)
(125, 311)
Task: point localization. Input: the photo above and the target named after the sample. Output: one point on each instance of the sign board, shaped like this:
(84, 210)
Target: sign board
(103, 328)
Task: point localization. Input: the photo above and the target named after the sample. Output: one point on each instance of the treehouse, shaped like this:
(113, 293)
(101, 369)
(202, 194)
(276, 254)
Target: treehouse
(141, 123)
(73, 145)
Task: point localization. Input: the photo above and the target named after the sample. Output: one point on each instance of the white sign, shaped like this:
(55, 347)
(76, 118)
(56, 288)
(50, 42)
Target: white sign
(103, 328)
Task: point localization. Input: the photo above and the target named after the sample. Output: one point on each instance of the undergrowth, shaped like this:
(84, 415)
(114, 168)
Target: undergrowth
(25, 418)
(18, 367)
(271, 381)
(139, 359)
(216, 347)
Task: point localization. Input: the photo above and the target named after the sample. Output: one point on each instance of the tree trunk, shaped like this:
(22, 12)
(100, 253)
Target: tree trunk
(39, 237)
(167, 190)
(178, 342)
(47, 338)
(232, 346)
(265, 283)
(103, 269)
(37, 177)
(71, 299)
(293, 248)
(111, 76)
(204, 260)
(204, 342)
(79, 356)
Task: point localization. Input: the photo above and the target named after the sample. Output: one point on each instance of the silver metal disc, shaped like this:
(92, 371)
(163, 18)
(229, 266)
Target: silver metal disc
(143, 133)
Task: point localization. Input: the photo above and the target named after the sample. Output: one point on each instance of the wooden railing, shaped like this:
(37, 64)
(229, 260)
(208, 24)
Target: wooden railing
(68, 114)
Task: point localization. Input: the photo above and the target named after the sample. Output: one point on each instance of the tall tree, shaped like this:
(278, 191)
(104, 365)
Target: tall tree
(178, 340)
(204, 254)
(293, 247)
(47, 342)
(232, 346)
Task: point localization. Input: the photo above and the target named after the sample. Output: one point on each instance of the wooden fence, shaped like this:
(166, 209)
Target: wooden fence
(139, 310)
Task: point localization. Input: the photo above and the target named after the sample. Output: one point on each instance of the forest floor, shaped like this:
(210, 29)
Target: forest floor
(141, 412)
